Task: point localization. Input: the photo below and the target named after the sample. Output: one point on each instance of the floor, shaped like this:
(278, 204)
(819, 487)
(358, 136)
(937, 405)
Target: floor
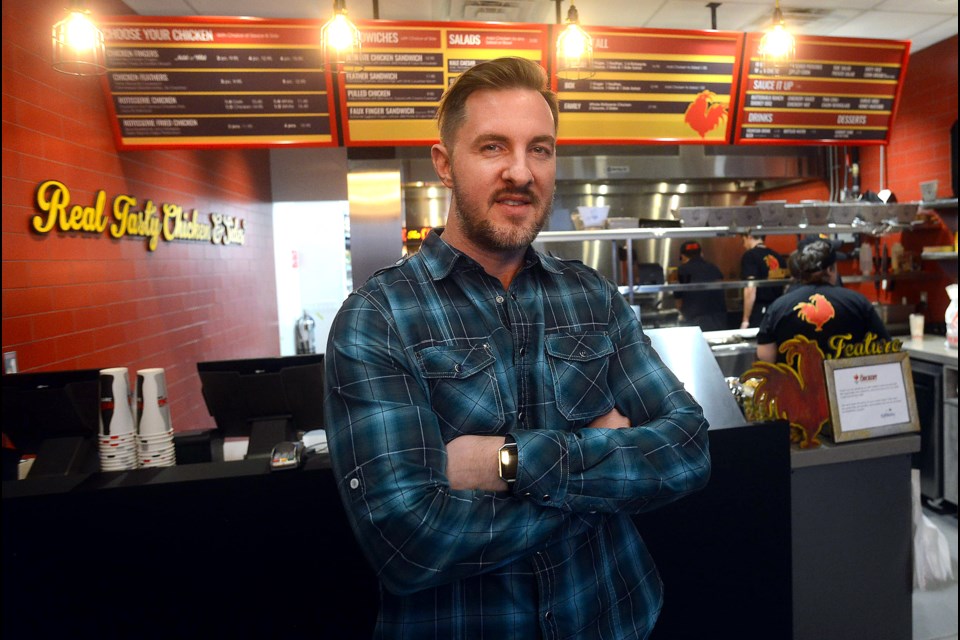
(935, 608)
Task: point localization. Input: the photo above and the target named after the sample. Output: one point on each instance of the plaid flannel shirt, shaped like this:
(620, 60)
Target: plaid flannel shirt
(433, 348)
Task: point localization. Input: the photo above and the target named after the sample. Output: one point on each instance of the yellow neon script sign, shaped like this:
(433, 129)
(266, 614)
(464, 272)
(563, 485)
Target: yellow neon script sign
(872, 345)
(169, 222)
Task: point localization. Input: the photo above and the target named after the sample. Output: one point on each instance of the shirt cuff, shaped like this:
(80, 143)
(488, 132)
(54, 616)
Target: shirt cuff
(543, 466)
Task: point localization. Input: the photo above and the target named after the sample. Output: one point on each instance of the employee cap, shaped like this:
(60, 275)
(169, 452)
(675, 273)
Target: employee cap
(691, 248)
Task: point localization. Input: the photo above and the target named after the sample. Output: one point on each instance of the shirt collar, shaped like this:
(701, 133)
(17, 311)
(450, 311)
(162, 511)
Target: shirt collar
(440, 258)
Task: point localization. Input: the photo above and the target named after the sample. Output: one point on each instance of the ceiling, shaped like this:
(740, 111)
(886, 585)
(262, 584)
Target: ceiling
(923, 22)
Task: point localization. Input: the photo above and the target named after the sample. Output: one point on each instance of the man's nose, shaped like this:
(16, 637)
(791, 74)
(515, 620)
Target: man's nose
(517, 171)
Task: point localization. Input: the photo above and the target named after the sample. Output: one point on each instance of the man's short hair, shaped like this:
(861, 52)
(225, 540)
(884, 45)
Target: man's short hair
(502, 73)
(691, 249)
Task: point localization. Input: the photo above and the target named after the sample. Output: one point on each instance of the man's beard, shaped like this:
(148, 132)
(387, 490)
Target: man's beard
(508, 237)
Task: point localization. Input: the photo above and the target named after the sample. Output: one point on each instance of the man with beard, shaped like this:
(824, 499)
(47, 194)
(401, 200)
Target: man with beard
(494, 415)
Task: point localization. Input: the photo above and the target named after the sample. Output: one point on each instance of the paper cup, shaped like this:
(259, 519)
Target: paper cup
(153, 413)
(116, 416)
(916, 326)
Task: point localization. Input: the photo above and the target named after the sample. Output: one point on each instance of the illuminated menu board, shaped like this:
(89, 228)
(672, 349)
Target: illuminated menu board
(208, 82)
(652, 86)
(390, 96)
(835, 91)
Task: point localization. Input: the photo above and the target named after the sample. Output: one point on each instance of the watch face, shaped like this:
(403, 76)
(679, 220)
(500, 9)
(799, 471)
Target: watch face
(508, 462)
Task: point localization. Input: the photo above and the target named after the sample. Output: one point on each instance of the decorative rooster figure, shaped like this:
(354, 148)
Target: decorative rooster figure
(816, 312)
(705, 113)
(795, 391)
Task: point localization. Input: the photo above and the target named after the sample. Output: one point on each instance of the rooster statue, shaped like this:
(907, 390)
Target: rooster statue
(705, 113)
(795, 391)
(817, 311)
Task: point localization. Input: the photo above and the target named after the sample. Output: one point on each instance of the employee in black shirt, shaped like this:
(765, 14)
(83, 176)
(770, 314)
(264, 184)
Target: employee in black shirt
(757, 263)
(706, 309)
(817, 308)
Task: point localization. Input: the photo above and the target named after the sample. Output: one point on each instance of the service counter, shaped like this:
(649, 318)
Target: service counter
(934, 368)
(781, 543)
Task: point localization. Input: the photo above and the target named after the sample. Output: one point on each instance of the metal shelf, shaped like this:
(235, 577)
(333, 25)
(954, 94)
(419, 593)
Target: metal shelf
(683, 233)
(941, 203)
(938, 255)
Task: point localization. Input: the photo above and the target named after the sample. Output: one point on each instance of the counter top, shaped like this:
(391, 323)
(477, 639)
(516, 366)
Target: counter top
(931, 348)
(835, 452)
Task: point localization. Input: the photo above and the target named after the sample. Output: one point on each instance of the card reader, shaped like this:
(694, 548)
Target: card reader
(286, 455)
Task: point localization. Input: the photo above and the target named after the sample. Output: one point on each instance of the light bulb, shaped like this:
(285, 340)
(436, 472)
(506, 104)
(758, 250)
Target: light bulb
(80, 33)
(777, 43)
(340, 33)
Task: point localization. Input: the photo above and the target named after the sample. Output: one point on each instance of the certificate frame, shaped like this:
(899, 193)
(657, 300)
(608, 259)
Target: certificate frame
(871, 396)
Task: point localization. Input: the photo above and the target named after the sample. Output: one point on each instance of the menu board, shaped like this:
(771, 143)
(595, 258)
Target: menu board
(835, 91)
(390, 96)
(652, 86)
(209, 82)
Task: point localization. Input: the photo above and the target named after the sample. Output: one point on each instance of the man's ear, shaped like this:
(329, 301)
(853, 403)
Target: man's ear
(441, 164)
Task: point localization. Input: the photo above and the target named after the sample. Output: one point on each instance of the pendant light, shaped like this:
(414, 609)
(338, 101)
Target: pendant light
(78, 48)
(340, 39)
(777, 44)
(574, 48)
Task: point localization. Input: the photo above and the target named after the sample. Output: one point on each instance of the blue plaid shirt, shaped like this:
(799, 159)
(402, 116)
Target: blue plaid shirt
(433, 348)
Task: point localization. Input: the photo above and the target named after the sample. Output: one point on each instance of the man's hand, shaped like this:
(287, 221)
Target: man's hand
(612, 420)
(473, 463)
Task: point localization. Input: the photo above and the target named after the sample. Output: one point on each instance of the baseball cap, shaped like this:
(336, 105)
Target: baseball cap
(691, 248)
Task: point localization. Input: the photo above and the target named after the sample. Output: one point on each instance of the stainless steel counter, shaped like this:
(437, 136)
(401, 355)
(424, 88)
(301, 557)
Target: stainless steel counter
(686, 352)
(931, 348)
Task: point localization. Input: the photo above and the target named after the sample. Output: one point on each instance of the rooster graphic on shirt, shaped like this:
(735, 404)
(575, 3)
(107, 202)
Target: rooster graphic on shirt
(817, 311)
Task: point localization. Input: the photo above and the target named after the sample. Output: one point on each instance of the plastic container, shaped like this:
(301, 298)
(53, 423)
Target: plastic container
(950, 317)
(866, 259)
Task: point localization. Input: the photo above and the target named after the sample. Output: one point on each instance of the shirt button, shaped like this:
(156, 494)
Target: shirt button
(499, 299)
(546, 498)
(354, 483)
(457, 368)
(520, 417)
(583, 353)
(523, 350)
(548, 615)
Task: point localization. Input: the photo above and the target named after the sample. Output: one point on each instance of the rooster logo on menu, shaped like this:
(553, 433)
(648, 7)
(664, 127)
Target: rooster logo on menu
(705, 113)
(817, 311)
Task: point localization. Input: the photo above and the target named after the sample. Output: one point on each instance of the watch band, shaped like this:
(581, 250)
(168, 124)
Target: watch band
(508, 458)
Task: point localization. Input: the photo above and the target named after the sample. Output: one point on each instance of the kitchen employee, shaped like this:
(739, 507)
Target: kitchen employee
(495, 415)
(818, 309)
(757, 263)
(705, 309)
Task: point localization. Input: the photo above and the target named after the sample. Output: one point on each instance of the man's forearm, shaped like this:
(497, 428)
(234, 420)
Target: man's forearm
(473, 461)
(749, 299)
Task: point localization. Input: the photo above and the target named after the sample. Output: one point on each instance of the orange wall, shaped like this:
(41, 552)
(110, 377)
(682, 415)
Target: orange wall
(84, 300)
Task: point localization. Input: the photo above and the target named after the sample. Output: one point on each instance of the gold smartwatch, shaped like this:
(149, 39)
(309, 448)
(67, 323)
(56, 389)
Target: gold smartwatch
(508, 460)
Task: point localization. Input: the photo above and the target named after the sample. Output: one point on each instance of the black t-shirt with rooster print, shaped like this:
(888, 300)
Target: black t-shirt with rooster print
(819, 312)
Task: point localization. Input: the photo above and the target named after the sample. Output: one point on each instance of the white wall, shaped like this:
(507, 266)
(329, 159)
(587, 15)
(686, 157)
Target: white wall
(311, 266)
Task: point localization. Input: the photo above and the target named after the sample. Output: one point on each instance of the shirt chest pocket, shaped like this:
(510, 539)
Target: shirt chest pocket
(463, 387)
(579, 364)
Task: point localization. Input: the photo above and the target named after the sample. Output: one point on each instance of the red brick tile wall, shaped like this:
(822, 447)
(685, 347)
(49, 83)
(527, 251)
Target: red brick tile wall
(77, 300)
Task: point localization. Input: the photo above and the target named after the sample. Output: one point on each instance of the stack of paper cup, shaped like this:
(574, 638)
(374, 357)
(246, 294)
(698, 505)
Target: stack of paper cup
(118, 439)
(154, 431)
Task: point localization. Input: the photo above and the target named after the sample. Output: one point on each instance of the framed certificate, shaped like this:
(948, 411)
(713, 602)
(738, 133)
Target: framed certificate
(871, 396)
